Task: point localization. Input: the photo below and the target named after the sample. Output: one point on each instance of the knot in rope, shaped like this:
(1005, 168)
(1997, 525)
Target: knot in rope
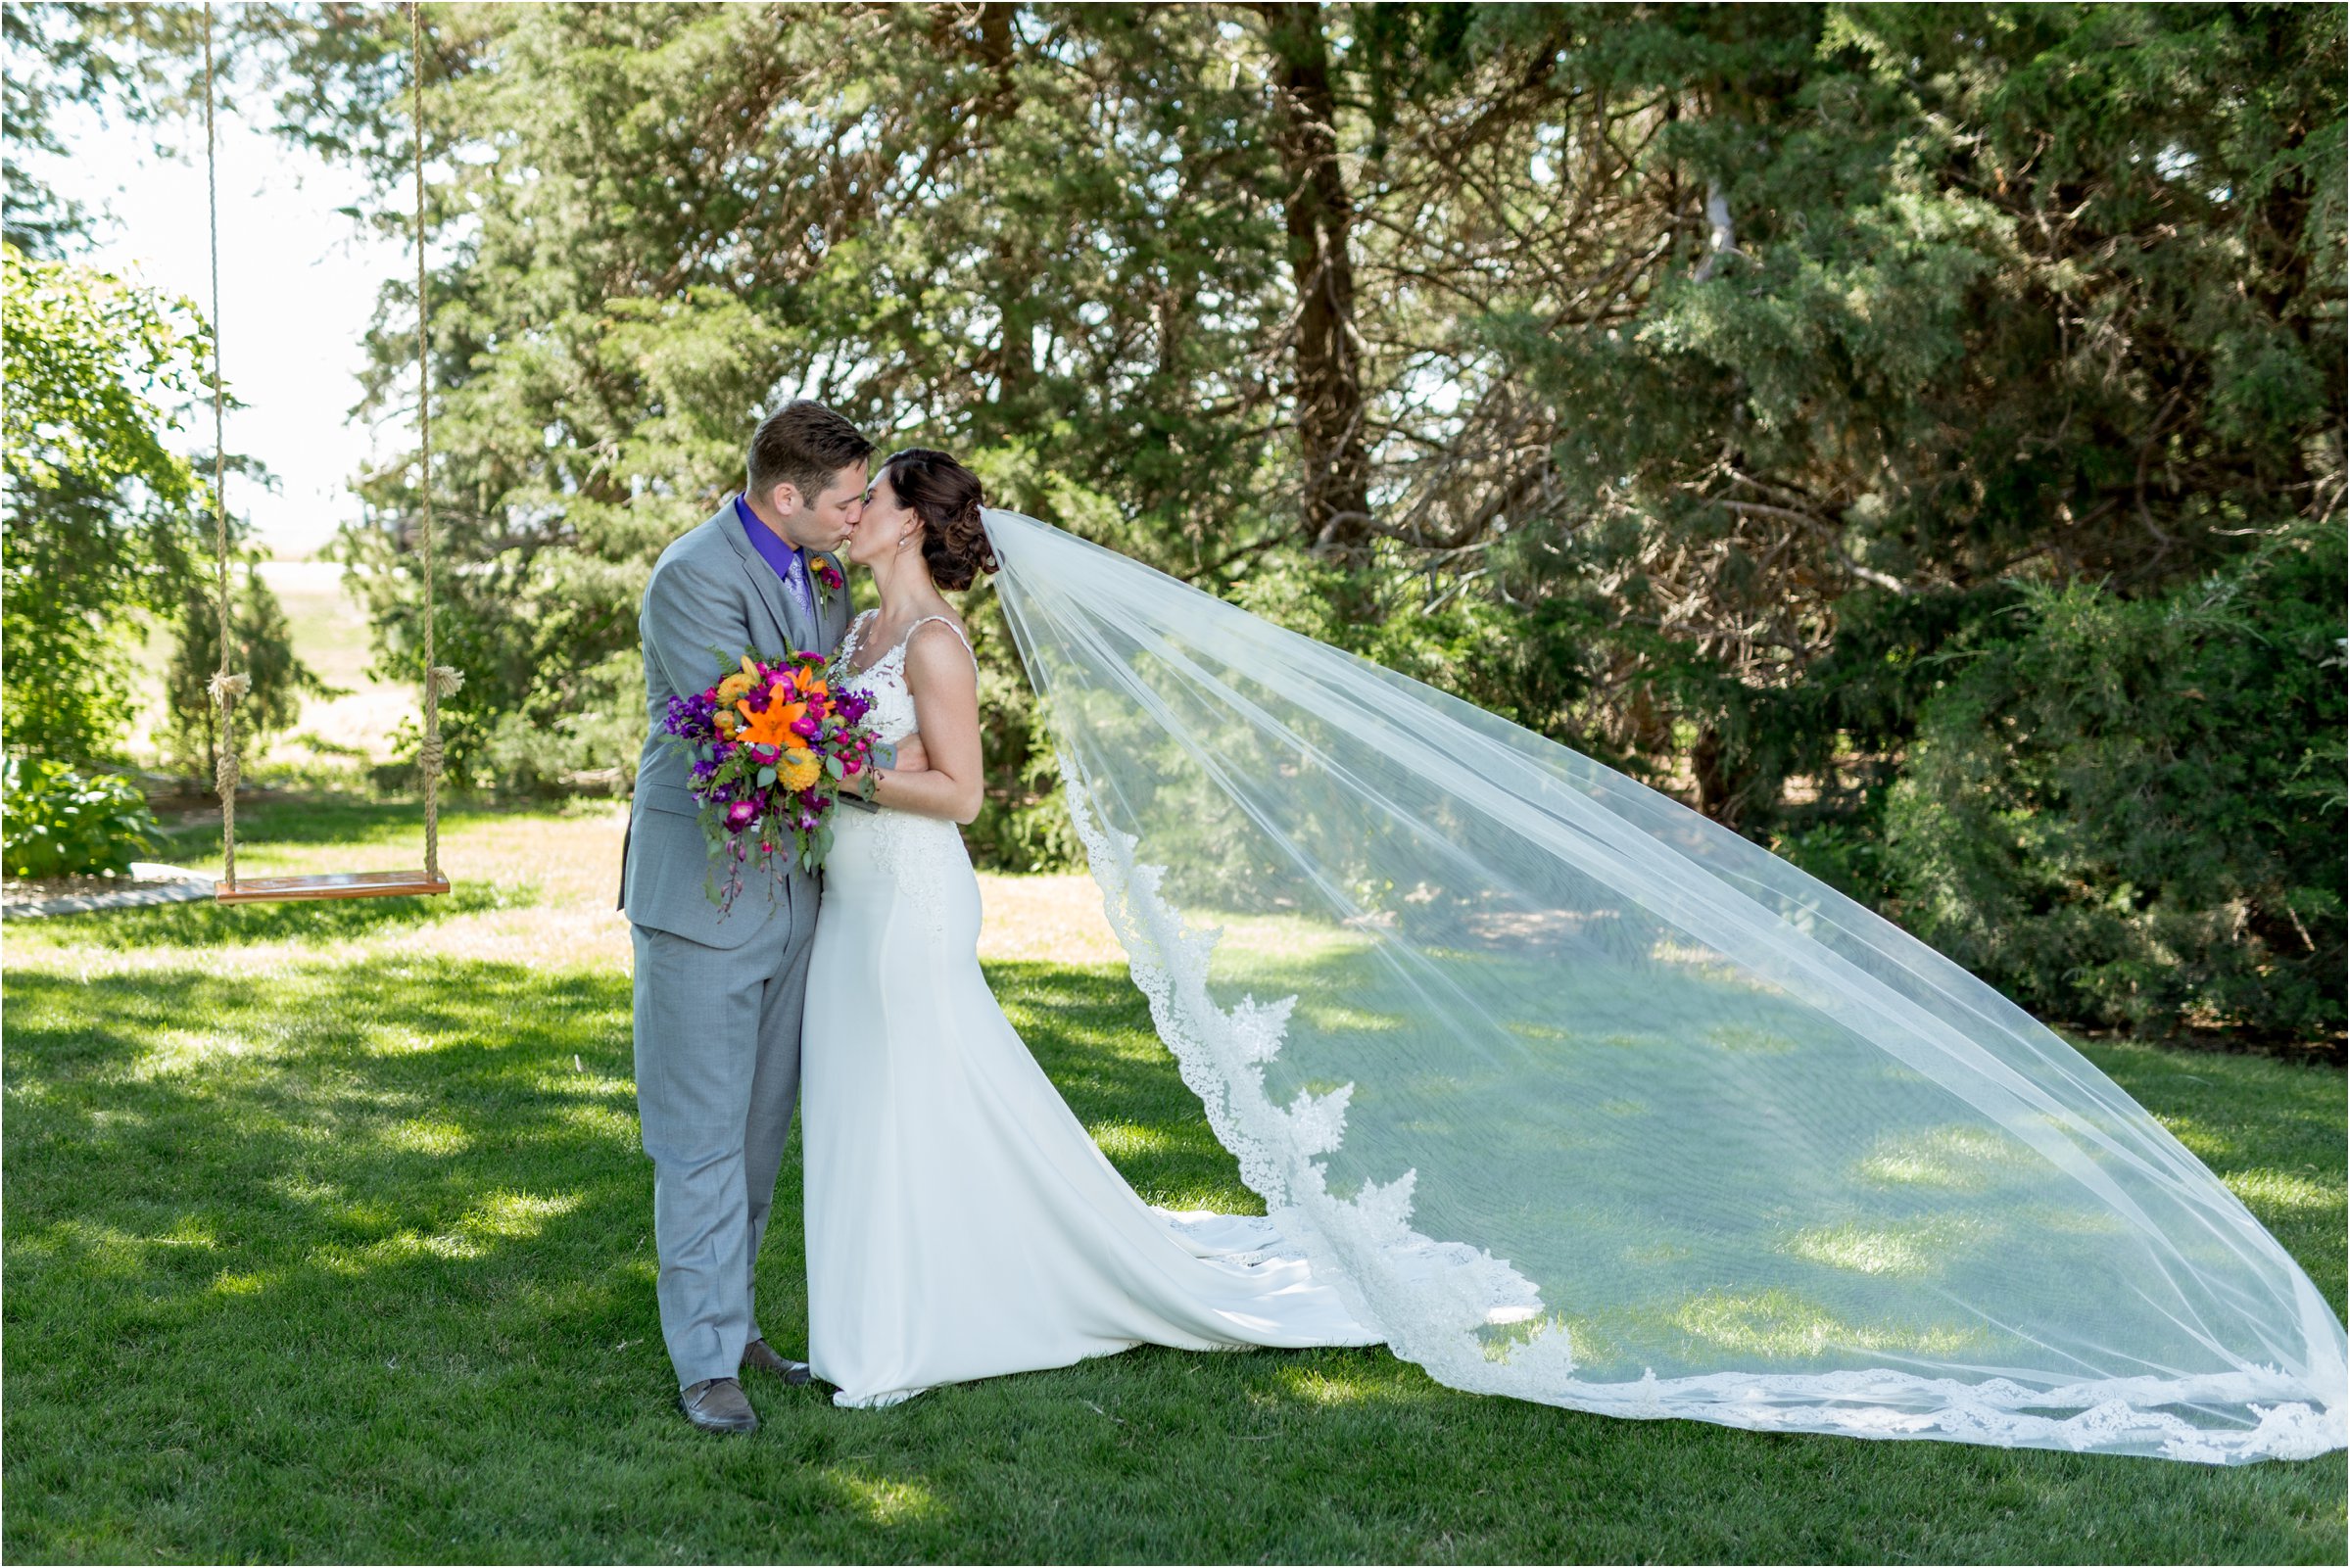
(228, 689)
(446, 679)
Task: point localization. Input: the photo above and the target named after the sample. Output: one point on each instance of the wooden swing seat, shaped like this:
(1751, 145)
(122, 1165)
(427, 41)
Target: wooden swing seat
(330, 885)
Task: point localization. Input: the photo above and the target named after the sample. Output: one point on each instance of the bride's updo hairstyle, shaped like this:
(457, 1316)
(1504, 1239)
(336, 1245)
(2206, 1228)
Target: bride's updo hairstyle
(945, 495)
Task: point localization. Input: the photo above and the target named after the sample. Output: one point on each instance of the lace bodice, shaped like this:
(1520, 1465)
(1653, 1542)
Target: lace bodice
(917, 854)
(882, 682)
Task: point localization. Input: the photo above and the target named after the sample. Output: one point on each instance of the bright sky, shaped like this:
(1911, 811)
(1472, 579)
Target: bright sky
(298, 285)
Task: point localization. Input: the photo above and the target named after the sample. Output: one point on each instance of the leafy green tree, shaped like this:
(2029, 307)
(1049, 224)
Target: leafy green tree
(1701, 385)
(105, 524)
(1939, 298)
(107, 520)
(1021, 248)
(102, 519)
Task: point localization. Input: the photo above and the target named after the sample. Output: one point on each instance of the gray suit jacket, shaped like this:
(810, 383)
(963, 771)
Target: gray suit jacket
(711, 598)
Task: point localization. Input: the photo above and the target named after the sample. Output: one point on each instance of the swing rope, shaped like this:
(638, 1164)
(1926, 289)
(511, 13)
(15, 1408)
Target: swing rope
(440, 680)
(228, 686)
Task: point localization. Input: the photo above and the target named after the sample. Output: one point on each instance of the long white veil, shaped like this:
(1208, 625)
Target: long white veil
(1580, 1097)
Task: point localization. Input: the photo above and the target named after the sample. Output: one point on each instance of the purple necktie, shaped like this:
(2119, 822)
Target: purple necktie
(797, 577)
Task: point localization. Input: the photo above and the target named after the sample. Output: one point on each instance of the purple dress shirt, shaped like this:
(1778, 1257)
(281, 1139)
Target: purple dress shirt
(784, 558)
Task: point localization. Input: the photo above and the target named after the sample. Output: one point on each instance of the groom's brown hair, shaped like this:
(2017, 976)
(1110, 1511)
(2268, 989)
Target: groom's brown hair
(804, 445)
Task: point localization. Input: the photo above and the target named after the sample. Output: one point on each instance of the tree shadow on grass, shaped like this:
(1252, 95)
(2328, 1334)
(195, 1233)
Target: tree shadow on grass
(1091, 1032)
(355, 1261)
(202, 923)
(228, 1189)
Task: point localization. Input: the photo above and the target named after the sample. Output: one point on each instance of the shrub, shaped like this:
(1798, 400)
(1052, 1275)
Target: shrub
(59, 823)
(2130, 812)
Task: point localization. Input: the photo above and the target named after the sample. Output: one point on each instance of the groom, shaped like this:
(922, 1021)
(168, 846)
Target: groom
(718, 998)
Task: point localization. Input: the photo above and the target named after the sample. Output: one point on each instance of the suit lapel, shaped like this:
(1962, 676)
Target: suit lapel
(781, 612)
(832, 608)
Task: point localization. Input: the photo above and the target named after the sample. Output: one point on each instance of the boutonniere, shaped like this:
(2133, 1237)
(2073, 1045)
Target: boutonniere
(829, 580)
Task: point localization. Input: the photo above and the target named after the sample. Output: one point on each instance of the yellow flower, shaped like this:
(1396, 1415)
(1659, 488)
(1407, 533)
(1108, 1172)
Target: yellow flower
(799, 770)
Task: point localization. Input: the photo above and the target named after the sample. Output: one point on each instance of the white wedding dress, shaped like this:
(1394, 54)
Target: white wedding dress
(961, 1223)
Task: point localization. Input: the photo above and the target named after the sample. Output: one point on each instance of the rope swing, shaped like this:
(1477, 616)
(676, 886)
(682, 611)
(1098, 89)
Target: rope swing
(228, 685)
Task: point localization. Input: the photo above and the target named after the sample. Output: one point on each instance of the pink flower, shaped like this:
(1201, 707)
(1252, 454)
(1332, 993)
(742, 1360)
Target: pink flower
(741, 814)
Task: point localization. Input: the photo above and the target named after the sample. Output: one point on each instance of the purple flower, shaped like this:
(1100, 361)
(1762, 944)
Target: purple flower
(805, 726)
(741, 814)
(689, 718)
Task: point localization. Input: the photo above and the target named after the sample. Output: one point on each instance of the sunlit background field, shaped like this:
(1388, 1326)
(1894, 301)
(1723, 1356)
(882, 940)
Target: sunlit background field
(338, 736)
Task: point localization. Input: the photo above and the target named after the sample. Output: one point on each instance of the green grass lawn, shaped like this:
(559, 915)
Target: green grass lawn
(327, 1237)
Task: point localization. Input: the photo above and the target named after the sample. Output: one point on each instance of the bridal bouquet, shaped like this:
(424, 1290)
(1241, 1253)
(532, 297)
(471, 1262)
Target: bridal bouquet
(766, 745)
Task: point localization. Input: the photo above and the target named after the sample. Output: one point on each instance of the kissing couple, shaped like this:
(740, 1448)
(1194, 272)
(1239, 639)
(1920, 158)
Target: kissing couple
(960, 1221)
(1555, 1087)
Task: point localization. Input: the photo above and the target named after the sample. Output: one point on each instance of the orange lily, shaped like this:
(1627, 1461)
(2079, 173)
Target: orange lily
(772, 727)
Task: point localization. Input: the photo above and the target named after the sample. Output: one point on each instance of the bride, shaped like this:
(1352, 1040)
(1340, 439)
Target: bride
(1551, 1086)
(960, 1220)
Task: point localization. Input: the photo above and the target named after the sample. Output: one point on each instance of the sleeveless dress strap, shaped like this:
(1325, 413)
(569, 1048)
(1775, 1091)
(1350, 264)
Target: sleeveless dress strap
(903, 642)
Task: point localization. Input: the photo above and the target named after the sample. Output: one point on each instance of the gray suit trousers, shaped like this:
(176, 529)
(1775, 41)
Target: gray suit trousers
(717, 1078)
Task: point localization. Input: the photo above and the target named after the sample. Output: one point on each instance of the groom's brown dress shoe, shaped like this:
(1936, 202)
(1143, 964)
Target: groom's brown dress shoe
(761, 1354)
(717, 1404)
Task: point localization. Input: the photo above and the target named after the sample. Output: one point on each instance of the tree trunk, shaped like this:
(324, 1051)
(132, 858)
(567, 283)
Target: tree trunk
(1713, 786)
(1320, 217)
(1013, 360)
